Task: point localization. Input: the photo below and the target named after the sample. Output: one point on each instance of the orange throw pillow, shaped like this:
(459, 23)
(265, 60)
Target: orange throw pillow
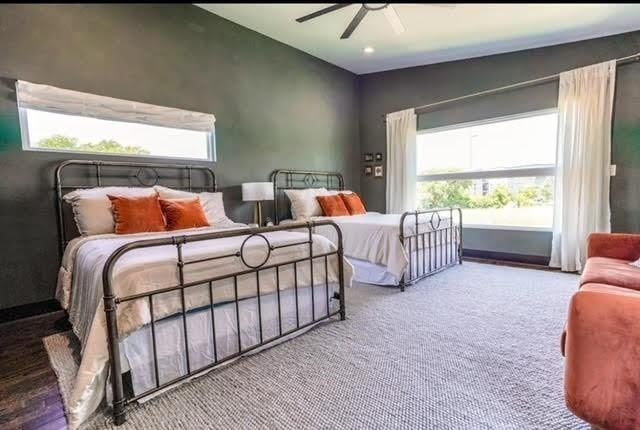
(353, 203)
(332, 205)
(183, 213)
(137, 214)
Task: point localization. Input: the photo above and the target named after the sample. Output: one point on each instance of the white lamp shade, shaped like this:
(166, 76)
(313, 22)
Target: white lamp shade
(257, 191)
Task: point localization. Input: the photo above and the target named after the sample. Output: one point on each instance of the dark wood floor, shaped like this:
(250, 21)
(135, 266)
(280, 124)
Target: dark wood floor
(29, 396)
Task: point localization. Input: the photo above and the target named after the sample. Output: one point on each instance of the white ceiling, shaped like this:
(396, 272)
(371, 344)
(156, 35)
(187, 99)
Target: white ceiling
(433, 33)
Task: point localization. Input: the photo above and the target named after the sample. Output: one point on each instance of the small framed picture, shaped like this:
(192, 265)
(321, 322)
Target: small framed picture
(377, 171)
(378, 156)
(368, 156)
(368, 170)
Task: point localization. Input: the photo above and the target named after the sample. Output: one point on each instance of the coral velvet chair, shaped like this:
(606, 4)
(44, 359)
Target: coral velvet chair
(601, 342)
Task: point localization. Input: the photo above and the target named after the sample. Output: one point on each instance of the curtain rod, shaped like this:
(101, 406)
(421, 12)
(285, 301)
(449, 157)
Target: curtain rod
(537, 81)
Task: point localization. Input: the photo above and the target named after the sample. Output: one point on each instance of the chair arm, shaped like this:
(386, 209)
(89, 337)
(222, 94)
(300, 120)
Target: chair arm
(602, 355)
(622, 246)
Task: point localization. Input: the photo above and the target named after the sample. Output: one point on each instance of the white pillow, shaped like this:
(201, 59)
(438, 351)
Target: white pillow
(92, 208)
(636, 263)
(303, 202)
(211, 203)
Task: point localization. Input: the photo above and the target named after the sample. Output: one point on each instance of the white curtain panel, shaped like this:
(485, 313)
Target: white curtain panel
(59, 100)
(401, 161)
(585, 106)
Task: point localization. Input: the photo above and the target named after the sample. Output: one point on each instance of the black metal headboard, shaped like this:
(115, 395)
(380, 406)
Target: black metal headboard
(76, 174)
(299, 179)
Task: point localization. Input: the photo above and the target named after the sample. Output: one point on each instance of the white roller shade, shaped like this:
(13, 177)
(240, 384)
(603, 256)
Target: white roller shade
(58, 100)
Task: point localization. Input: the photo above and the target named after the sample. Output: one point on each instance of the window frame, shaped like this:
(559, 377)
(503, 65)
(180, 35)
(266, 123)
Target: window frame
(515, 172)
(27, 146)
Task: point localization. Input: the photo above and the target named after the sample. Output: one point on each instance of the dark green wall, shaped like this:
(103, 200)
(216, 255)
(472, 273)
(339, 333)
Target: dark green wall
(275, 106)
(390, 91)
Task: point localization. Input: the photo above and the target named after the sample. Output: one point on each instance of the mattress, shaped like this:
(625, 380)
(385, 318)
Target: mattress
(374, 238)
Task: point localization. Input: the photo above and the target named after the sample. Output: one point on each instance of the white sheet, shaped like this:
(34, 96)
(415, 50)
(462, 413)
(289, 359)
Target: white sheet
(137, 348)
(374, 237)
(433, 258)
(150, 269)
(371, 273)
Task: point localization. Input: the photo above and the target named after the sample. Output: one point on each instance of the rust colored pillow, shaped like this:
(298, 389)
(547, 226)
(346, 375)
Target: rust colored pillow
(137, 214)
(332, 205)
(353, 203)
(183, 213)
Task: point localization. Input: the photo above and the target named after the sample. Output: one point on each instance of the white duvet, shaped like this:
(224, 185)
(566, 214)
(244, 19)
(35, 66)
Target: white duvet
(374, 237)
(80, 289)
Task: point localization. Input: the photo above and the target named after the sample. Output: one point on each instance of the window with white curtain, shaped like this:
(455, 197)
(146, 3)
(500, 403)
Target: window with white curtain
(56, 119)
(499, 171)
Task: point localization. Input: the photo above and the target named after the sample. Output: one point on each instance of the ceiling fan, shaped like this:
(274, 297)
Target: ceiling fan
(388, 10)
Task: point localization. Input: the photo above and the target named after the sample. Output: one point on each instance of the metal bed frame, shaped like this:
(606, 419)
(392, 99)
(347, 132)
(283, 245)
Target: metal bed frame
(95, 173)
(446, 235)
(112, 300)
(284, 179)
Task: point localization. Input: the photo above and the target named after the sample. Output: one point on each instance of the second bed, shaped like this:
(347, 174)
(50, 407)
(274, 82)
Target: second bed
(385, 249)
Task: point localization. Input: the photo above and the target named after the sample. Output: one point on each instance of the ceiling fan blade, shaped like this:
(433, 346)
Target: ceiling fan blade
(354, 22)
(323, 11)
(394, 19)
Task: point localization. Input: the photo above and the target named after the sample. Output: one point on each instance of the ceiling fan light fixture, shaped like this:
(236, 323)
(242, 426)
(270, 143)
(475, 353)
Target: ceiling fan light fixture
(374, 6)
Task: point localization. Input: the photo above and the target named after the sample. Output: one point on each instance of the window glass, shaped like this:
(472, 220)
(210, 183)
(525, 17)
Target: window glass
(478, 168)
(510, 202)
(72, 133)
(512, 143)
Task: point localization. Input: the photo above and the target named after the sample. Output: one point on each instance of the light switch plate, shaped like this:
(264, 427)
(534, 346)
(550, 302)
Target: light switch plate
(612, 170)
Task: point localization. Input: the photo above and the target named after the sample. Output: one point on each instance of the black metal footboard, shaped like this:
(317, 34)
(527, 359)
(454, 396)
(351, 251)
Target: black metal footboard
(432, 240)
(111, 301)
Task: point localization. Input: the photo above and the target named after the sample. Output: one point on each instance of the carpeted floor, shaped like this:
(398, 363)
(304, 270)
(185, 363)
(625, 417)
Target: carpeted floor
(474, 347)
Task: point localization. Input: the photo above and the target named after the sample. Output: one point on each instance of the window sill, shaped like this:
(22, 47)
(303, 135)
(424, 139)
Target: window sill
(506, 227)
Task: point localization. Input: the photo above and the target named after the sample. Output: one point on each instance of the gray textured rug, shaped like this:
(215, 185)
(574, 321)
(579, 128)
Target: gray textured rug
(474, 347)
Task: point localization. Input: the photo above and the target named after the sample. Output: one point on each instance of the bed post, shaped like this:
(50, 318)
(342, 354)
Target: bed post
(343, 313)
(402, 283)
(110, 307)
(460, 244)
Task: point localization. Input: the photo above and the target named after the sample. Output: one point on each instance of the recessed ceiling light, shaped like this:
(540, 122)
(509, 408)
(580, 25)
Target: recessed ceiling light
(368, 50)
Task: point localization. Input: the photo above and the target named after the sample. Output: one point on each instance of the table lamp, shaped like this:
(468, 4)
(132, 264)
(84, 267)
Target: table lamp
(257, 192)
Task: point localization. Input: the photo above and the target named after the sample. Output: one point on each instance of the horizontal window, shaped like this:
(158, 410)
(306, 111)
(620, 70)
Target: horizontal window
(500, 172)
(53, 119)
(522, 141)
(507, 202)
(70, 133)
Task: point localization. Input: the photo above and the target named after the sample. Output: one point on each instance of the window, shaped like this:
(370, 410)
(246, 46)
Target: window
(500, 172)
(54, 119)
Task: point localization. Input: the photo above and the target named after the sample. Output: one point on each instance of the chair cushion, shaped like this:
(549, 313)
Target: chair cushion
(603, 270)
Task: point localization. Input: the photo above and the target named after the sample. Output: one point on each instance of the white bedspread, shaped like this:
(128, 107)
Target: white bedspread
(80, 289)
(374, 237)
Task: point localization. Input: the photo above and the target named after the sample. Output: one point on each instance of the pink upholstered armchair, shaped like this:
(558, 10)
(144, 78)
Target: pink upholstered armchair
(602, 337)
